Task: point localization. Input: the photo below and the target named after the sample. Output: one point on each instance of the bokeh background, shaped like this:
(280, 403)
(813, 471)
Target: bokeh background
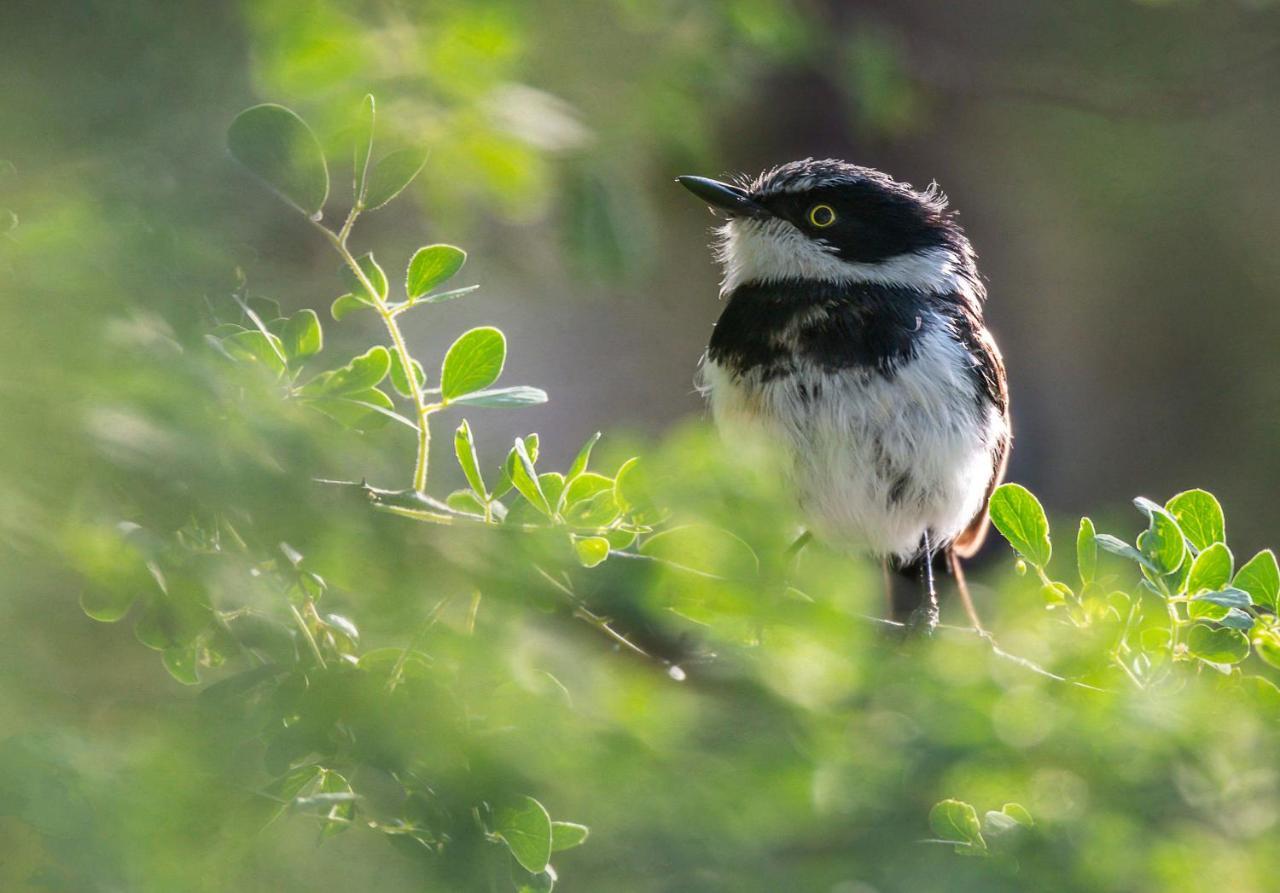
(1113, 162)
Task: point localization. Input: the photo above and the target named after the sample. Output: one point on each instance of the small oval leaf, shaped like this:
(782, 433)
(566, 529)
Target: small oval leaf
(278, 146)
(525, 827)
(1199, 515)
(473, 362)
(1260, 577)
(431, 266)
(1020, 518)
(391, 175)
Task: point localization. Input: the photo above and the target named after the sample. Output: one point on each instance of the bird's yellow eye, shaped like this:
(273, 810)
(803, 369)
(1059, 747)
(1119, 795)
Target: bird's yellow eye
(822, 216)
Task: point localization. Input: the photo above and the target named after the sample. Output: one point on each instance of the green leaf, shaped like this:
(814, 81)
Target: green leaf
(432, 266)
(345, 304)
(525, 479)
(400, 381)
(1162, 542)
(567, 835)
(464, 447)
(363, 149)
(584, 456)
(1020, 518)
(1237, 619)
(107, 604)
(361, 410)
(596, 511)
(706, 548)
(391, 175)
(358, 376)
(465, 501)
(499, 398)
(541, 882)
(526, 829)
(1260, 577)
(473, 362)
(592, 550)
(180, 661)
(1211, 569)
(1266, 644)
(1019, 814)
(1227, 598)
(1200, 517)
(1117, 546)
(441, 297)
(585, 485)
(302, 336)
(253, 346)
(278, 146)
(957, 822)
(337, 795)
(1086, 551)
(372, 272)
(1218, 646)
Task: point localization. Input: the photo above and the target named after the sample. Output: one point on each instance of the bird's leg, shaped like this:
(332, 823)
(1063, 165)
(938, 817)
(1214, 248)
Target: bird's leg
(925, 617)
(888, 587)
(962, 587)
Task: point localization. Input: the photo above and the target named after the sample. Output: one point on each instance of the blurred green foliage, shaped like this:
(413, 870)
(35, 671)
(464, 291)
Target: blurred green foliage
(378, 700)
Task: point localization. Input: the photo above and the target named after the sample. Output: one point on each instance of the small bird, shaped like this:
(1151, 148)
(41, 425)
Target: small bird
(853, 338)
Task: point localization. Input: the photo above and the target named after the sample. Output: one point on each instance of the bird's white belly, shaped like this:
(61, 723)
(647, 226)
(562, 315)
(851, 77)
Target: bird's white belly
(876, 461)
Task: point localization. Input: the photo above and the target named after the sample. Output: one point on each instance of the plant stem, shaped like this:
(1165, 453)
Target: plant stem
(306, 634)
(423, 410)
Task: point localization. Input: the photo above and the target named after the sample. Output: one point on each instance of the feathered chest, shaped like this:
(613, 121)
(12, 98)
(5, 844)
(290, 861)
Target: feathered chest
(877, 396)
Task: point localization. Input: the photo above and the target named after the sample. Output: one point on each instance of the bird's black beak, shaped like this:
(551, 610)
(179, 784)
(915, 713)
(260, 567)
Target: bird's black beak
(727, 198)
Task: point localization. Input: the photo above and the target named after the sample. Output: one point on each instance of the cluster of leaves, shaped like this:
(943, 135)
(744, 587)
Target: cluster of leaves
(1191, 604)
(956, 822)
(305, 665)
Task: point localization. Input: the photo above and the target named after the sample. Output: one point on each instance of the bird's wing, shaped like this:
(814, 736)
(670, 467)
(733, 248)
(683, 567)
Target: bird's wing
(989, 367)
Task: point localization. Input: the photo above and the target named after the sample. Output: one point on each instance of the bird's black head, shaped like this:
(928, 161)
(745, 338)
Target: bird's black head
(831, 220)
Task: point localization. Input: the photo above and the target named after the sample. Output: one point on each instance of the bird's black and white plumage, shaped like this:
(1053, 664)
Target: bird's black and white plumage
(853, 337)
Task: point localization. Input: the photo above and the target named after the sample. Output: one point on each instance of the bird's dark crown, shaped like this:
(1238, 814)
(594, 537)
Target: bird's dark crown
(875, 216)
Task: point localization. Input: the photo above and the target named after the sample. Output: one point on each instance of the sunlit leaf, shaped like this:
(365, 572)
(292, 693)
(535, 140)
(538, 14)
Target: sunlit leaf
(1227, 598)
(391, 175)
(1200, 517)
(473, 362)
(1162, 542)
(362, 149)
(499, 398)
(302, 336)
(1218, 646)
(525, 827)
(372, 272)
(591, 550)
(957, 822)
(1260, 577)
(580, 461)
(464, 447)
(1086, 551)
(525, 479)
(431, 266)
(400, 380)
(1211, 569)
(1020, 518)
(345, 304)
(567, 835)
(362, 373)
(278, 146)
